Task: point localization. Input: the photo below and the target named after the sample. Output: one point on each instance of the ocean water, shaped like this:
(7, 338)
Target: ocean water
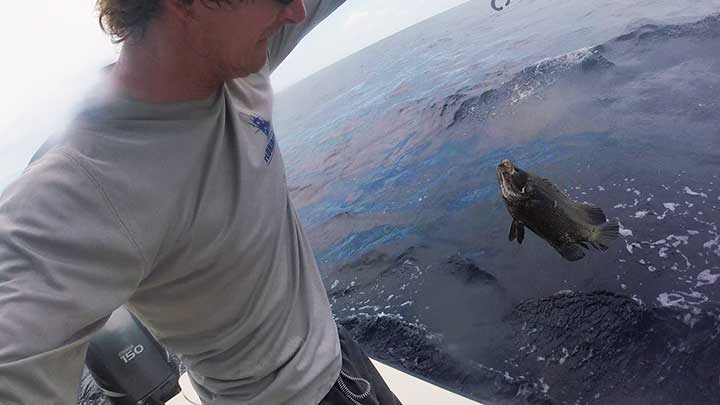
(391, 159)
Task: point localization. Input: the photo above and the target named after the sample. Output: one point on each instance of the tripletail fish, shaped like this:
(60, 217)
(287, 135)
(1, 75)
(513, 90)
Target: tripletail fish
(567, 225)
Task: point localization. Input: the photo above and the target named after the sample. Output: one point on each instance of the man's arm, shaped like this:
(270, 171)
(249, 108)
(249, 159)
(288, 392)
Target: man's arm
(285, 41)
(66, 262)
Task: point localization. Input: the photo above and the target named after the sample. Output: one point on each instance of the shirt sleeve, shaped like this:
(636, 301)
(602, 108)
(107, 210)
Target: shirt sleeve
(285, 41)
(66, 262)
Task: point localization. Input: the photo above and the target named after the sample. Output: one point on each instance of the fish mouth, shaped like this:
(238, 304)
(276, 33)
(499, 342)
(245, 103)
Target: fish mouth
(506, 165)
(505, 172)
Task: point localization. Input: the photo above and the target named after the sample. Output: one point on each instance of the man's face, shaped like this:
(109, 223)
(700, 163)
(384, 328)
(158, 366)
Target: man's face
(235, 38)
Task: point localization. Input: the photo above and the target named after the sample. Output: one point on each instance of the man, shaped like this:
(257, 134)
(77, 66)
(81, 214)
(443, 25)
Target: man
(168, 193)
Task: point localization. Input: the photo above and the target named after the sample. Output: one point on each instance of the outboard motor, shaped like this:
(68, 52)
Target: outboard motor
(129, 365)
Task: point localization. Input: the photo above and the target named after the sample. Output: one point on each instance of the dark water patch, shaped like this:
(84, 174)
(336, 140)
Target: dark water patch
(370, 269)
(479, 107)
(707, 28)
(595, 62)
(468, 270)
(606, 348)
(379, 280)
(529, 82)
(411, 347)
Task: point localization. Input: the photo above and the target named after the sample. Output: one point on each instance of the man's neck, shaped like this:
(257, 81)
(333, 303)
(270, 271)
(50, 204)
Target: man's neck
(155, 69)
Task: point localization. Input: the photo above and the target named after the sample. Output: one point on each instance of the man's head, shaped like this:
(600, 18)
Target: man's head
(231, 35)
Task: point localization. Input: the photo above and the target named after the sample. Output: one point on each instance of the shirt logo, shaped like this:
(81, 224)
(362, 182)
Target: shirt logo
(264, 126)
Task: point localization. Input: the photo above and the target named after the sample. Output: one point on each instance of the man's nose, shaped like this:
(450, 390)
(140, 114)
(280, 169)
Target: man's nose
(295, 12)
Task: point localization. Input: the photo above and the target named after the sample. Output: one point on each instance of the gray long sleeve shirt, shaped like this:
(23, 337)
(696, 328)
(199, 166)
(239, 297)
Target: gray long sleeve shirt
(182, 211)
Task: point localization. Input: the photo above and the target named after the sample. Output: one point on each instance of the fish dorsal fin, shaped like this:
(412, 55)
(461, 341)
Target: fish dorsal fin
(589, 213)
(585, 212)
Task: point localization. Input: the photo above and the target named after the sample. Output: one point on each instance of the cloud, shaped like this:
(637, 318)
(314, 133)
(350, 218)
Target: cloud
(49, 49)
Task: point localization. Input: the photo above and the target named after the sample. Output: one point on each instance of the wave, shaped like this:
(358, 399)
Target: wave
(531, 81)
(411, 347)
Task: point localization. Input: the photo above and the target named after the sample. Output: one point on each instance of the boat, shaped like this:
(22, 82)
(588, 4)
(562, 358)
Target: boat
(410, 390)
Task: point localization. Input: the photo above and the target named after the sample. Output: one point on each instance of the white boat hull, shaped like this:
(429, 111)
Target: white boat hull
(410, 390)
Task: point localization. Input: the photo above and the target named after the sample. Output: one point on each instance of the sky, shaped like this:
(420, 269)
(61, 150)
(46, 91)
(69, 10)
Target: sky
(52, 48)
(357, 24)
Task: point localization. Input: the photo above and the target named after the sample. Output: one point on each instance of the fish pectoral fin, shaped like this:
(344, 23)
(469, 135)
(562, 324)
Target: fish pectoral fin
(520, 228)
(517, 231)
(571, 252)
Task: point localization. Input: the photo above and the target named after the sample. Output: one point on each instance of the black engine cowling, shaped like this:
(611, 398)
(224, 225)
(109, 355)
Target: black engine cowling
(129, 365)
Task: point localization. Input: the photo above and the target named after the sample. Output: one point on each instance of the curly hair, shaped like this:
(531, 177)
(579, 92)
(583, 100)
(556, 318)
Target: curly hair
(124, 19)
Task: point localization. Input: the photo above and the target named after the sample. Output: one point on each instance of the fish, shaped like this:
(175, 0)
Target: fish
(536, 203)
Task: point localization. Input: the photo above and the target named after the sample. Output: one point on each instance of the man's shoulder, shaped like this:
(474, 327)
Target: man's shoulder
(256, 82)
(252, 94)
(52, 175)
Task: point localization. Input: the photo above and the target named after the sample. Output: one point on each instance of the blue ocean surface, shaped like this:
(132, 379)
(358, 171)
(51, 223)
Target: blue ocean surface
(392, 157)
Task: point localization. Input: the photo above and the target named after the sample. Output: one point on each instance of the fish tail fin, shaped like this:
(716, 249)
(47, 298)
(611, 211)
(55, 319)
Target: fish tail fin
(606, 233)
